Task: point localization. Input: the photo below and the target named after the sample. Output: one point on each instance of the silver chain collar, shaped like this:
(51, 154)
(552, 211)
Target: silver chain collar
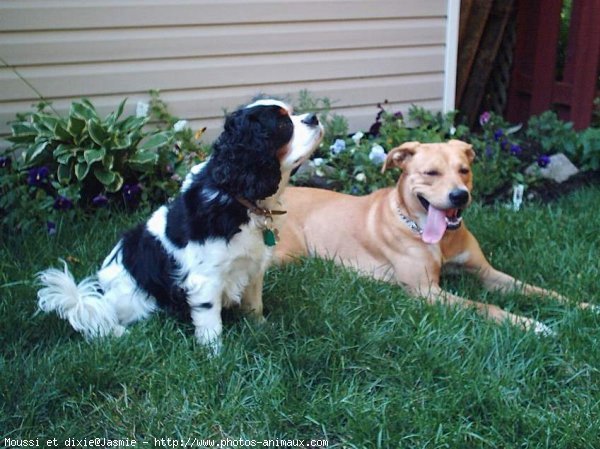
(409, 222)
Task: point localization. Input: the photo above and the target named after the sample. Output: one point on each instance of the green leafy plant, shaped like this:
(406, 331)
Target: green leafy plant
(553, 134)
(85, 147)
(82, 161)
(500, 160)
(588, 154)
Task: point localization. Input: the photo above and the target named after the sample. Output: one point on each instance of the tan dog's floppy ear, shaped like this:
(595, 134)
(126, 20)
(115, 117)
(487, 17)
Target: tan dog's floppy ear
(468, 148)
(398, 156)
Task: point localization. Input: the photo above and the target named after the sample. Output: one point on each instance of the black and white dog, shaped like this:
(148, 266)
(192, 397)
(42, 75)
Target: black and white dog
(209, 247)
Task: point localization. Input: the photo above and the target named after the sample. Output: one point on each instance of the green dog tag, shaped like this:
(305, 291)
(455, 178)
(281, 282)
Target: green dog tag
(269, 237)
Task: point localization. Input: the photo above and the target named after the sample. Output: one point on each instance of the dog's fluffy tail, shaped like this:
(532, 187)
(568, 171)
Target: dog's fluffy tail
(83, 304)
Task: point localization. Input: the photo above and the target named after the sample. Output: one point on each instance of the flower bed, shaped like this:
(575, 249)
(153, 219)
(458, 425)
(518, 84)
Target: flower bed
(82, 163)
(507, 154)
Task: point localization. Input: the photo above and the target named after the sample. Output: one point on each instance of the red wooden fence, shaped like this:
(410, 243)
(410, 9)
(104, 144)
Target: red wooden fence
(534, 87)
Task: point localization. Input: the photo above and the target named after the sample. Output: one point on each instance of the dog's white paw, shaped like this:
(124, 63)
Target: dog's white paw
(119, 331)
(211, 340)
(259, 320)
(542, 330)
(214, 347)
(594, 308)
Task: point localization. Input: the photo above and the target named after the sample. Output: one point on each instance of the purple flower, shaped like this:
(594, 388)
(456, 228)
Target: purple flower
(132, 193)
(5, 162)
(51, 227)
(498, 134)
(543, 160)
(374, 129)
(62, 203)
(398, 115)
(489, 152)
(484, 118)
(515, 150)
(380, 113)
(37, 175)
(100, 200)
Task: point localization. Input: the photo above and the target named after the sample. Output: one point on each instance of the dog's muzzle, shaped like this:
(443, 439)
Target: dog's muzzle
(453, 215)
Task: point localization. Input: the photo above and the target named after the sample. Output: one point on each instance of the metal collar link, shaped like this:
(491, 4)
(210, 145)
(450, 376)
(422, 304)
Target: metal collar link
(409, 222)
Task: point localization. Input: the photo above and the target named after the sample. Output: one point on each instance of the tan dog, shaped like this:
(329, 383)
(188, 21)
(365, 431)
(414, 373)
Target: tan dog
(405, 234)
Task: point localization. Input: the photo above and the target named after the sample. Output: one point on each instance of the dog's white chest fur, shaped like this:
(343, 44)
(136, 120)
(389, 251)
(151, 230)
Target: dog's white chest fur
(232, 264)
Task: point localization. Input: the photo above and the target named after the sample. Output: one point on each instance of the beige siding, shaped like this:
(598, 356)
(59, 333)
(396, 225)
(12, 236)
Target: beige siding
(207, 56)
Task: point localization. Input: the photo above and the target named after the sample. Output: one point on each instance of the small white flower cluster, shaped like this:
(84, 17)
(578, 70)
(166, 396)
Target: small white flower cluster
(318, 162)
(377, 155)
(356, 137)
(141, 109)
(179, 125)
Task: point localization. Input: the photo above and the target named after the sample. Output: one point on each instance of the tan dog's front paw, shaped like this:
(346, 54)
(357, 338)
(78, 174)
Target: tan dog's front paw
(254, 314)
(259, 319)
(591, 307)
(537, 327)
(543, 330)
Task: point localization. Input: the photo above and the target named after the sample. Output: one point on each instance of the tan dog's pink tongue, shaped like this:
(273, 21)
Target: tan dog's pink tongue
(435, 225)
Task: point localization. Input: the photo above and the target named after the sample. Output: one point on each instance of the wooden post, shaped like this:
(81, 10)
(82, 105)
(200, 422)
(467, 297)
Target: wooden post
(488, 42)
(583, 56)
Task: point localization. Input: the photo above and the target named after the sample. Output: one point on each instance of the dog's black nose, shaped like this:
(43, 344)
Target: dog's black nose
(311, 120)
(459, 197)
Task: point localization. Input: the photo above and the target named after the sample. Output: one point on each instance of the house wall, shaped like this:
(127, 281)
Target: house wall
(209, 56)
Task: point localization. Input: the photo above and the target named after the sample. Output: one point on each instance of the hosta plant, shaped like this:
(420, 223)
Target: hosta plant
(97, 152)
(84, 161)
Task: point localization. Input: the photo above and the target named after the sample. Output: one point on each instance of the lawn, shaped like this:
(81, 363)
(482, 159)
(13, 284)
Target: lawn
(341, 358)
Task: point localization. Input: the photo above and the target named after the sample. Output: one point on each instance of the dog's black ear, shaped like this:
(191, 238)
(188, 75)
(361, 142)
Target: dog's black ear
(244, 158)
(397, 157)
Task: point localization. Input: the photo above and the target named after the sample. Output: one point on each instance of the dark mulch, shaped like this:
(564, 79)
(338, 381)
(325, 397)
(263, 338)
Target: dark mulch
(547, 190)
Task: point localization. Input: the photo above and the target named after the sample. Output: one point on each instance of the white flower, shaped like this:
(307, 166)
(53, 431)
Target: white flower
(452, 131)
(338, 146)
(178, 126)
(356, 137)
(377, 154)
(361, 177)
(141, 109)
(317, 162)
(320, 173)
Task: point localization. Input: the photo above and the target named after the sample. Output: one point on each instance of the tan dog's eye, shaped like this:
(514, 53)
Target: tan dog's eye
(432, 173)
(464, 171)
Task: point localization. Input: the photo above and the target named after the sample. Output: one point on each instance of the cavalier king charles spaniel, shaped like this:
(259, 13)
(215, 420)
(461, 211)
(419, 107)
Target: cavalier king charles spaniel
(208, 248)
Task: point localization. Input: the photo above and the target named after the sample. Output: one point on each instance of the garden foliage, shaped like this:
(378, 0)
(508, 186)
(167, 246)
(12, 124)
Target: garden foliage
(352, 162)
(61, 166)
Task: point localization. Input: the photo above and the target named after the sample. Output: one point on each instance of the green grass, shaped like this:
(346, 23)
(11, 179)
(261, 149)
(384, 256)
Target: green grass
(340, 358)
